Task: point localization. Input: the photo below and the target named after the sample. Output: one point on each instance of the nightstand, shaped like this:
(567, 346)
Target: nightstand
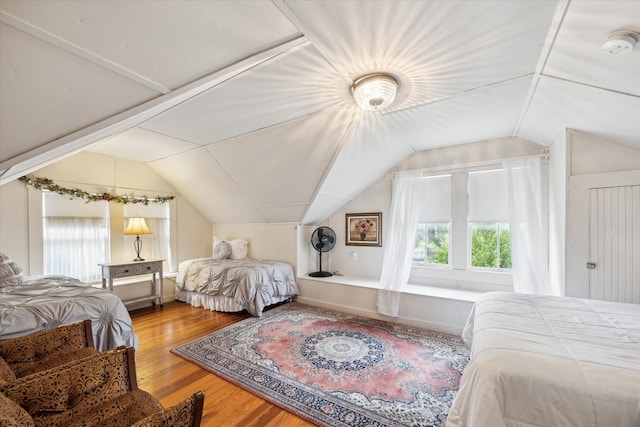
(118, 270)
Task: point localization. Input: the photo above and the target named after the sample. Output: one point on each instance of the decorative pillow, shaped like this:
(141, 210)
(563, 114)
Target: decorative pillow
(10, 272)
(239, 249)
(39, 393)
(222, 250)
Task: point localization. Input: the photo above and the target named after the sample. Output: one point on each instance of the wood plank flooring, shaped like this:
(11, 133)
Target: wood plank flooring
(172, 379)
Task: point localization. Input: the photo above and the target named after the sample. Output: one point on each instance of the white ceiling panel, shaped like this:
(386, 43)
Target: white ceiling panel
(282, 164)
(559, 105)
(489, 113)
(372, 148)
(51, 93)
(171, 43)
(435, 47)
(577, 53)
(284, 141)
(142, 145)
(274, 93)
(214, 191)
(289, 213)
(323, 206)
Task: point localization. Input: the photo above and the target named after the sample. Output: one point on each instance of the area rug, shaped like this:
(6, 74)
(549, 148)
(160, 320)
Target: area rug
(336, 369)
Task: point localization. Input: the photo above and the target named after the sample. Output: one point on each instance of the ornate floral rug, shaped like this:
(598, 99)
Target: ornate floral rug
(336, 369)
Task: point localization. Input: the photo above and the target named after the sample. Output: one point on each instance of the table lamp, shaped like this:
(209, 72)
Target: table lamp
(136, 227)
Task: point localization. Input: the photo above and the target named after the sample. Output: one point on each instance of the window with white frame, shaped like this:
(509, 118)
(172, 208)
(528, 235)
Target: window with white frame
(156, 245)
(432, 235)
(76, 236)
(463, 238)
(488, 221)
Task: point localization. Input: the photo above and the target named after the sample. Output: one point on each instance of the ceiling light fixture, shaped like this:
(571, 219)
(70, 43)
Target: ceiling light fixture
(374, 91)
(620, 41)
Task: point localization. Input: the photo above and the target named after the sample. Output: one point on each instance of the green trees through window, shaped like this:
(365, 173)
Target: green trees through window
(490, 245)
(432, 244)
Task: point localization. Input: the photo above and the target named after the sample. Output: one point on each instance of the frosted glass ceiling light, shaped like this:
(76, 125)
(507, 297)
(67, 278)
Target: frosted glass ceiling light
(374, 91)
(620, 42)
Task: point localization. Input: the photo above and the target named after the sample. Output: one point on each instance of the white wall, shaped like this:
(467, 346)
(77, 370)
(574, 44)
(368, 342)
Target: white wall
(277, 241)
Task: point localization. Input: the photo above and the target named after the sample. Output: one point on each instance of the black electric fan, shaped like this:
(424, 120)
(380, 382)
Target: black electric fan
(323, 239)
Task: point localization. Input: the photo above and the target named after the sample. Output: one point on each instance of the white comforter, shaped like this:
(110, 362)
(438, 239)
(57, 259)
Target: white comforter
(550, 361)
(251, 284)
(44, 302)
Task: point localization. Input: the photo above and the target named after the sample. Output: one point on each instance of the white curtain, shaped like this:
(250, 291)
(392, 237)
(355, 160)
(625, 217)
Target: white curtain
(406, 205)
(74, 246)
(529, 248)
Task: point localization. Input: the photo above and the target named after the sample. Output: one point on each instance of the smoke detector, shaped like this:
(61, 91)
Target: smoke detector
(620, 41)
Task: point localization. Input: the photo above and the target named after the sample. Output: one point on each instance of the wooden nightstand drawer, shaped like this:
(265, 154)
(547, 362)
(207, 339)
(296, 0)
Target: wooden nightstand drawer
(149, 267)
(125, 271)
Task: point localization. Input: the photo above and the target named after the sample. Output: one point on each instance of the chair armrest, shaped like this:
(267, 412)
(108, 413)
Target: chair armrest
(187, 413)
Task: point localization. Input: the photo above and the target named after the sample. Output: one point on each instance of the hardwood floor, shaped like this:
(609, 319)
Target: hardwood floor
(172, 379)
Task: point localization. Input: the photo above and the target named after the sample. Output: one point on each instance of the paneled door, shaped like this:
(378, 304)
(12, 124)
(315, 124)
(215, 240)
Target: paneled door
(614, 243)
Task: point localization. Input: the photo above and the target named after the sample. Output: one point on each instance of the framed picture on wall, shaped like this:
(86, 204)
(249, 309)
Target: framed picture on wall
(363, 229)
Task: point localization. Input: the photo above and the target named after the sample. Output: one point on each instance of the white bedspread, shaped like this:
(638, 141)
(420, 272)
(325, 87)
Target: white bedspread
(249, 284)
(44, 302)
(550, 361)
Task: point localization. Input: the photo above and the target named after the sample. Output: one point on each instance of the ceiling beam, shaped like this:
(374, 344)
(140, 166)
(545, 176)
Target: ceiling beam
(77, 141)
(552, 34)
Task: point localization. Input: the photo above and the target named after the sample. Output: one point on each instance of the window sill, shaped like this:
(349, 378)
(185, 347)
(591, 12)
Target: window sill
(411, 289)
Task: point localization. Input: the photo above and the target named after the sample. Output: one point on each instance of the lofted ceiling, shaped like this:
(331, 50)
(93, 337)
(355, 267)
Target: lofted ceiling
(244, 107)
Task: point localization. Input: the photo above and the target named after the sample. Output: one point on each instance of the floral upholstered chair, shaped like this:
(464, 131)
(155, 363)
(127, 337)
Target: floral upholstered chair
(45, 349)
(100, 390)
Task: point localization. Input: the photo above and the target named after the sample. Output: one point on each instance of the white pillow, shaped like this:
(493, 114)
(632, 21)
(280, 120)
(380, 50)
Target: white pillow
(222, 250)
(10, 272)
(239, 249)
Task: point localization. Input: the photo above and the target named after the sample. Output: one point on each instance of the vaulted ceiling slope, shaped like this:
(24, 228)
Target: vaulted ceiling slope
(244, 107)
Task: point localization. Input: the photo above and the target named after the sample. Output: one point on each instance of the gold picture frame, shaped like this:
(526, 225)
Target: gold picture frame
(363, 229)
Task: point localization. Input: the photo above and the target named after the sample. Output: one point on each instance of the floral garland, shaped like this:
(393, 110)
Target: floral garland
(49, 185)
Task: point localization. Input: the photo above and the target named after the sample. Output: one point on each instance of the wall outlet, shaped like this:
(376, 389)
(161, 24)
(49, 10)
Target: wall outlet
(354, 256)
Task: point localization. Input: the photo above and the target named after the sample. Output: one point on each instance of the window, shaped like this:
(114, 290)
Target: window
(432, 236)
(76, 236)
(488, 219)
(432, 244)
(463, 238)
(156, 245)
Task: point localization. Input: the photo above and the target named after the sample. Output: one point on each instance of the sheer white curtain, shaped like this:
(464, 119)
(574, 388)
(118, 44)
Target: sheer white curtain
(156, 245)
(406, 205)
(74, 246)
(529, 248)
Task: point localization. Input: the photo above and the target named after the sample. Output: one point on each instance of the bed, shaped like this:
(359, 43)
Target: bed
(232, 285)
(32, 303)
(550, 361)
